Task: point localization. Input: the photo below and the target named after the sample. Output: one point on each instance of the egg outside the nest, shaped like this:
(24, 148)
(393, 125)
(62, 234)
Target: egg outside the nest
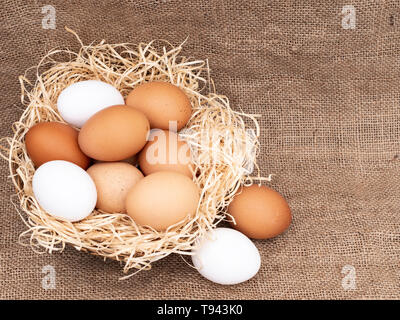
(260, 212)
(226, 256)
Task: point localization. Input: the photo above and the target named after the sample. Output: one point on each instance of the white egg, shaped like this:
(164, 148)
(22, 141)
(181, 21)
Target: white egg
(79, 101)
(226, 256)
(64, 190)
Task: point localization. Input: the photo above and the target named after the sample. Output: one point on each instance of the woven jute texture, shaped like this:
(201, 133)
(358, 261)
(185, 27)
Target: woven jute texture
(329, 97)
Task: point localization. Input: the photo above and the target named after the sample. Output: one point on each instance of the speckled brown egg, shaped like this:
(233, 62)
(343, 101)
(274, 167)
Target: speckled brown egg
(113, 181)
(114, 133)
(49, 141)
(165, 151)
(161, 102)
(260, 212)
(162, 199)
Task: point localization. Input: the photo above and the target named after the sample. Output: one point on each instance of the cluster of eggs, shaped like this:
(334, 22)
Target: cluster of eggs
(91, 161)
(126, 156)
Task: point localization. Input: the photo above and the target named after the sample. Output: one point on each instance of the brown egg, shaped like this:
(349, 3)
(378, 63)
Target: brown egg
(49, 141)
(260, 212)
(165, 151)
(114, 133)
(162, 199)
(113, 181)
(161, 102)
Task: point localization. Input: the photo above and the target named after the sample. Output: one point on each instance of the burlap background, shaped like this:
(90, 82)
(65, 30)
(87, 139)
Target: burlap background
(330, 132)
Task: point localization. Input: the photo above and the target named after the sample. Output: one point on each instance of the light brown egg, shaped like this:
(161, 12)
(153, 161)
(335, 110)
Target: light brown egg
(113, 181)
(260, 212)
(165, 151)
(161, 102)
(114, 133)
(49, 141)
(162, 199)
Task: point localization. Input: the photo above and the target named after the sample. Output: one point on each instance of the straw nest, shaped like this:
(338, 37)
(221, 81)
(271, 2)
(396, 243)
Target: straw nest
(224, 145)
